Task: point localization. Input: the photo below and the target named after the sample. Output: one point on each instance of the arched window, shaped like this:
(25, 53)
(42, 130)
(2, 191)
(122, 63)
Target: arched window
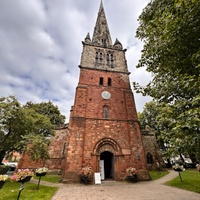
(101, 57)
(149, 158)
(97, 57)
(101, 81)
(112, 61)
(107, 58)
(109, 82)
(111, 55)
(105, 112)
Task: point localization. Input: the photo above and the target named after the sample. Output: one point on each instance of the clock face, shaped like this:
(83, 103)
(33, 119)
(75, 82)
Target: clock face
(106, 95)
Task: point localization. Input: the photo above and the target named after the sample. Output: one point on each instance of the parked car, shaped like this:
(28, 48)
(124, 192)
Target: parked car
(12, 166)
(189, 164)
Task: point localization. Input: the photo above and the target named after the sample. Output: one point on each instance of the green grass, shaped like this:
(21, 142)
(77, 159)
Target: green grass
(10, 191)
(191, 181)
(157, 174)
(49, 178)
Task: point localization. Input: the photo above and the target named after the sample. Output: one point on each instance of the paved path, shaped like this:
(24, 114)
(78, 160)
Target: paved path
(150, 190)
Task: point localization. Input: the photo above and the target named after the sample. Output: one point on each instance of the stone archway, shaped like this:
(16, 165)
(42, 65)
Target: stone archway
(107, 144)
(106, 151)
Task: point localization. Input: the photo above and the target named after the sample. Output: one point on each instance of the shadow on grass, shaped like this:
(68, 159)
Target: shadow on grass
(10, 191)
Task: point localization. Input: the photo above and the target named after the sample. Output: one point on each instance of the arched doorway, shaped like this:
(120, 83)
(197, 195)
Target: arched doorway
(107, 159)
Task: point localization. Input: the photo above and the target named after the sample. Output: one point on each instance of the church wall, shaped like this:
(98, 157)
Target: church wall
(83, 151)
(89, 54)
(151, 147)
(91, 77)
(80, 102)
(90, 99)
(57, 151)
(73, 162)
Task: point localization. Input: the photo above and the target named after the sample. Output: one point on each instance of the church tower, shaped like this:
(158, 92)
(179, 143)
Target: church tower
(104, 128)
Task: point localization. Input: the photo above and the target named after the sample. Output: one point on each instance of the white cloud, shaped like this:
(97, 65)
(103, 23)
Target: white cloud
(40, 47)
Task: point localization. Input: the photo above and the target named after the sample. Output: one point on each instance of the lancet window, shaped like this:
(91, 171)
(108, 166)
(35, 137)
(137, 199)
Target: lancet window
(99, 57)
(110, 60)
(105, 112)
(101, 81)
(109, 82)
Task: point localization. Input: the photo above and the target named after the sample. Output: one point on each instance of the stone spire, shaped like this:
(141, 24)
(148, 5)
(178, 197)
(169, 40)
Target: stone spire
(101, 35)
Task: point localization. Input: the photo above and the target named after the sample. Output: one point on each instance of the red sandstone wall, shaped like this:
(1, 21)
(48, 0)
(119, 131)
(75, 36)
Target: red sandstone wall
(89, 102)
(120, 133)
(57, 151)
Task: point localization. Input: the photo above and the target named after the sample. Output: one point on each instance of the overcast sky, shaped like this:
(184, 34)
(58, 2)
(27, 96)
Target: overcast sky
(40, 46)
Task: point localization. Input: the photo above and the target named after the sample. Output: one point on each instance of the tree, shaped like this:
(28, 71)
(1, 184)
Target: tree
(162, 118)
(49, 110)
(170, 32)
(37, 147)
(149, 114)
(154, 115)
(16, 122)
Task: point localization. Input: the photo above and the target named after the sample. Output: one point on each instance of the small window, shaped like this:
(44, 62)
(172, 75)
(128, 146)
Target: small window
(149, 158)
(96, 58)
(112, 61)
(105, 112)
(101, 81)
(112, 58)
(109, 82)
(101, 57)
(107, 57)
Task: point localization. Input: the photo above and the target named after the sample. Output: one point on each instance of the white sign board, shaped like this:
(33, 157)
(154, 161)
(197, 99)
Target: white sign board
(97, 178)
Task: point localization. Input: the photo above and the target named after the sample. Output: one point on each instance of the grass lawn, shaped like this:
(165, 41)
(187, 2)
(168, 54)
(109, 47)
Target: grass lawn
(10, 191)
(49, 178)
(157, 174)
(191, 181)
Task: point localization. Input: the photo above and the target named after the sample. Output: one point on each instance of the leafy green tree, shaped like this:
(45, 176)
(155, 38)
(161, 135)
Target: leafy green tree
(37, 147)
(152, 115)
(170, 32)
(16, 122)
(49, 110)
(149, 114)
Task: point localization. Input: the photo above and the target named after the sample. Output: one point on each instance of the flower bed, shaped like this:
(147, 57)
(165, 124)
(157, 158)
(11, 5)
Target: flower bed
(21, 174)
(3, 179)
(178, 168)
(86, 175)
(41, 171)
(131, 174)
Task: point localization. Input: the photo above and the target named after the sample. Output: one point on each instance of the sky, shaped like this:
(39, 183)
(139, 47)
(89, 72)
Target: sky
(41, 47)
